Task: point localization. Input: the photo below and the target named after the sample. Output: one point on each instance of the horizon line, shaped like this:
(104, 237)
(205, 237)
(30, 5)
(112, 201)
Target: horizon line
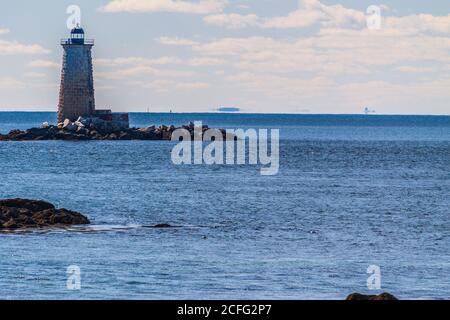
(250, 113)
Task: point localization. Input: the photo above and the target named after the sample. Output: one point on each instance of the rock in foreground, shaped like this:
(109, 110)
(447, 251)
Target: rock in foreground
(362, 297)
(25, 214)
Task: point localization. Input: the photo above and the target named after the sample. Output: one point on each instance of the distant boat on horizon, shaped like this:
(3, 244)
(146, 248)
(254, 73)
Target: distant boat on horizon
(228, 109)
(367, 111)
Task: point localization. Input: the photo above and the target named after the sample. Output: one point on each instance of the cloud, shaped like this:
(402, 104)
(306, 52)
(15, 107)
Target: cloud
(44, 64)
(14, 47)
(313, 12)
(309, 13)
(35, 75)
(180, 6)
(125, 67)
(420, 23)
(414, 69)
(205, 61)
(170, 85)
(137, 71)
(233, 20)
(189, 86)
(10, 83)
(175, 41)
(331, 52)
(137, 61)
(334, 69)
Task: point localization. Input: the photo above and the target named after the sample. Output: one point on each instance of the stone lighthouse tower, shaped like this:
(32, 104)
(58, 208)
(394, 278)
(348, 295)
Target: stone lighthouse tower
(76, 96)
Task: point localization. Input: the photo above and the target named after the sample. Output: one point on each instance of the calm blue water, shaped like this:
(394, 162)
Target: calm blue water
(352, 191)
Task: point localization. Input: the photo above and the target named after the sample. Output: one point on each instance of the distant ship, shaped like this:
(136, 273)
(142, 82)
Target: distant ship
(228, 109)
(367, 111)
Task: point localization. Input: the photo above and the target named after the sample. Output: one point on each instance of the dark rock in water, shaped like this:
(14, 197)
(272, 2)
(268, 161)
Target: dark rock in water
(32, 205)
(78, 132)
(361, 297)
(160, 226)
(24, 214)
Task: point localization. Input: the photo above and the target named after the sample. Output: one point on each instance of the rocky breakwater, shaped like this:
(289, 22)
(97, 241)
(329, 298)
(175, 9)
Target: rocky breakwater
(79, 130)
(18, 214)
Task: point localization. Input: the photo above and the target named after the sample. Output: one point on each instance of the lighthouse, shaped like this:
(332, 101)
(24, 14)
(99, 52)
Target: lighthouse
(76, 96)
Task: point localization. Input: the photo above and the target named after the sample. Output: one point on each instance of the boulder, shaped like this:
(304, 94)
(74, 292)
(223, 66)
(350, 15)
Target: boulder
(33, 205)
(69, 126)
(124, 136)
(83, 121)
(79, 124)
(112, 136)
(82, 130)
(35, 132)
(25, 214)
(166, 135)
(72, 127)
(361, 297)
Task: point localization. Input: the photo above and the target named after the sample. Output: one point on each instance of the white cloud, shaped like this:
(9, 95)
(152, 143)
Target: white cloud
(192, 86)
(44, 64)
(330, 52)
(137, 61)
(310, 12)
(35, 75)
(336, 69)
(137, 71)
(419, 23)
(175, 41)
(157, 85)
(313, 12)
(205, 61)
(414, 69)
(233, 20)
(14, 47)
(194, 7)
(170, 85)
(10, 83)
(126, 67)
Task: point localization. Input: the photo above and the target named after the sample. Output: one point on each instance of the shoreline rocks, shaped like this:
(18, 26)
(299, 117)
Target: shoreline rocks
(78, 131)
(362, 297)
(16, 214)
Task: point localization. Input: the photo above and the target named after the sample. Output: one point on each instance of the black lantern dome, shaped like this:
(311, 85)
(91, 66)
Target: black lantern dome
(77, 35)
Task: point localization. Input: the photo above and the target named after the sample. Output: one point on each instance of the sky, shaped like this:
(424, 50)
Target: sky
(261, 56)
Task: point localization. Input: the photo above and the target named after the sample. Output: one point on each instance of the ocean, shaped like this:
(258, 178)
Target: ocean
(351, 192)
